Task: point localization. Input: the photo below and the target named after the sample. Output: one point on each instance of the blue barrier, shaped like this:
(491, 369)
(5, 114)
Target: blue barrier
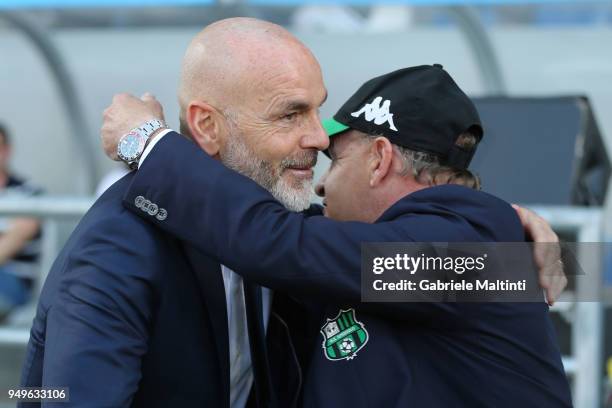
(419, 2)
(54, 4)
(24, 4)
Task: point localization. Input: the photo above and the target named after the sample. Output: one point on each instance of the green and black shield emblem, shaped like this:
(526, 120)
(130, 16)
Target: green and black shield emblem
(343, 336)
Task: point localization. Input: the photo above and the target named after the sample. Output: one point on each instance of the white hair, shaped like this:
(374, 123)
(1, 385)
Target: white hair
(427, 169)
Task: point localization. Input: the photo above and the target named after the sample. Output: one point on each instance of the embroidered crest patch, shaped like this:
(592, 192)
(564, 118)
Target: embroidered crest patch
(343, 336)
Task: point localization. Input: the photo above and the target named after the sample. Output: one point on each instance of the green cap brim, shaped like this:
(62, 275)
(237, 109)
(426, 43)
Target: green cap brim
(333, 127)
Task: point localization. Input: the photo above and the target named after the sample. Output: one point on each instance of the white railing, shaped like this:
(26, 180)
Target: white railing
(586, 318)
(51, 211)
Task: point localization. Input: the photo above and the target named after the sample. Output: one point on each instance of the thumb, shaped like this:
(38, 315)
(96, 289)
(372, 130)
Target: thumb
(147, 97)
(153, 104)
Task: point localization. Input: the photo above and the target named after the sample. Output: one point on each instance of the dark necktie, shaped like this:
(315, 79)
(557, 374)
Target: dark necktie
(257, 340)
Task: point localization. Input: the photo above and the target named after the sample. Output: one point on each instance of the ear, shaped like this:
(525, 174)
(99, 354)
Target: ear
(381, 157)
(206, 126)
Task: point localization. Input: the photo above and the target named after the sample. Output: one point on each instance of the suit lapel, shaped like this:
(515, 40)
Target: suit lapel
(210, 281)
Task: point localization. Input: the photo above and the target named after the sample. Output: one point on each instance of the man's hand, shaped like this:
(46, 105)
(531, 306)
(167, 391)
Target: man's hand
(547, 253)
(125, 113)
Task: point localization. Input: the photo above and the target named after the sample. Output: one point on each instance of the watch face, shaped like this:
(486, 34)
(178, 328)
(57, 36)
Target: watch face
(131, 146)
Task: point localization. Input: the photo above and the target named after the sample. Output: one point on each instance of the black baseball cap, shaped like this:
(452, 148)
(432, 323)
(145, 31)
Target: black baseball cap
(420, 108)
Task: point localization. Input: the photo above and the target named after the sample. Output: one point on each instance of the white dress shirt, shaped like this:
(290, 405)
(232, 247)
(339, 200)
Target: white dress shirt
(241, 372)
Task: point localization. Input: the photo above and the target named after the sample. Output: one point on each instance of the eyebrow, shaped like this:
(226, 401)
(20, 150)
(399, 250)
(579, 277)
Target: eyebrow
(298, 105)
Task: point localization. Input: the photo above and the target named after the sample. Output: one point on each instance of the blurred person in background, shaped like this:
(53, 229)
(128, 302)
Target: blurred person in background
(19, 237)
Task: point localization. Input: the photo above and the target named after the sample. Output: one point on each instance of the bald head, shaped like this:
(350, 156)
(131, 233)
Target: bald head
(230, 57)
(250, 94)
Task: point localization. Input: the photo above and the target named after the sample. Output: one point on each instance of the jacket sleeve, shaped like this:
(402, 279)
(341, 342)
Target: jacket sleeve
(233, 219)
(97, 329)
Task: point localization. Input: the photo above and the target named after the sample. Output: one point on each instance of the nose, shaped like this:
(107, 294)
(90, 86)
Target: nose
(315, 137)
(320, 187)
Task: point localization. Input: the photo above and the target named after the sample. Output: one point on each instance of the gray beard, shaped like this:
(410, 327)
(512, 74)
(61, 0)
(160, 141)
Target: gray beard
(239, 157)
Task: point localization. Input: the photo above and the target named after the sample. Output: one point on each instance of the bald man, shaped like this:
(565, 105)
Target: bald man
(130, 316)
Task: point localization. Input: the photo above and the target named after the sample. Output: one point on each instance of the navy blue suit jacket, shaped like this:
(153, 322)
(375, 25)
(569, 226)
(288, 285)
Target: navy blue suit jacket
(418, 354)
(129, 316)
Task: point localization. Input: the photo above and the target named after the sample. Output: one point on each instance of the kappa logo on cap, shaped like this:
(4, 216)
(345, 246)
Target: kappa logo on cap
(377, 113)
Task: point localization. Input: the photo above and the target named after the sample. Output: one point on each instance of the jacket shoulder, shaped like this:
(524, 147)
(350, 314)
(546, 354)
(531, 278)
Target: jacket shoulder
(108, 216)
(109, 233)
(470, 214)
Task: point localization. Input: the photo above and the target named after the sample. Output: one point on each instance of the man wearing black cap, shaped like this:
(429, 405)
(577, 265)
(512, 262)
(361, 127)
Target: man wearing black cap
(424, 121)
(400, 151)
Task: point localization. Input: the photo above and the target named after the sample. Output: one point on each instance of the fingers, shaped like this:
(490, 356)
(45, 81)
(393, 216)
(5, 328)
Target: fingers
(547, 253)
(553, 293)
(551, 270)
(125, 113)
(553, 281)
(552, 278)
(150, 100)
(546, 284)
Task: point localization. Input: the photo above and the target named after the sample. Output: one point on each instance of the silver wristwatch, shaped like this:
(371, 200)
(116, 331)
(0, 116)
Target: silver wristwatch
(132, 144)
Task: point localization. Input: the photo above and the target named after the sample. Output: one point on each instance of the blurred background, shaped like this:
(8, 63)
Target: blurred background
(540, 71)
